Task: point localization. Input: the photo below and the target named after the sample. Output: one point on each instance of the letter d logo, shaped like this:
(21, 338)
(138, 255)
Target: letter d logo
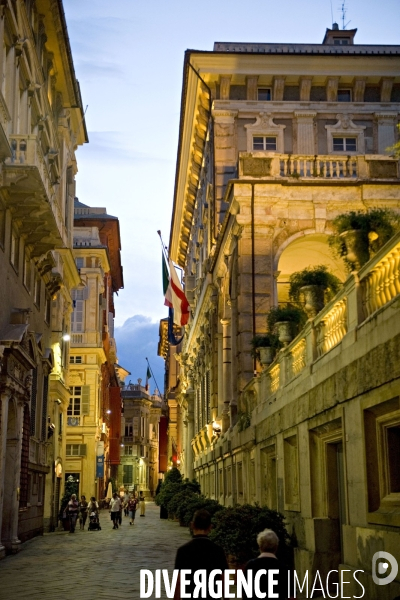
(382, 567)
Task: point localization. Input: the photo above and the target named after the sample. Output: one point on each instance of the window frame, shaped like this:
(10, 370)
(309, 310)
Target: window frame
(264, 138)
(347, 90)
(345, 140)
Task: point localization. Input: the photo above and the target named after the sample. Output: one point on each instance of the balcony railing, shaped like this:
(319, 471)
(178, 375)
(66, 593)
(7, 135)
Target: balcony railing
(363, 295)
(27, 155)
(90, 339)
(319, 167)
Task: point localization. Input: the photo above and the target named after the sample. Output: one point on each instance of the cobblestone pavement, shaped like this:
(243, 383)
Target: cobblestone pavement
(92, 565)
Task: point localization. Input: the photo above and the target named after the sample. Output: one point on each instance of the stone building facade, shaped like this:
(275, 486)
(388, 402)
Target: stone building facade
(41, 126)
(139, 467)
(275, 141)
(93, 415)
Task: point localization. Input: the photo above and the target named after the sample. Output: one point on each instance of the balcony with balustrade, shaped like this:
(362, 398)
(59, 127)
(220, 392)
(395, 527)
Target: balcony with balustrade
(362, 310)
(33, 180)
(319, 168)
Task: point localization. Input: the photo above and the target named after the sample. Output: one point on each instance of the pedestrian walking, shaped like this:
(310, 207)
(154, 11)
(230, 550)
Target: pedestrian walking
(72, 512)
(93, 505)
(83, 512)
(115, 510)
(199, 553)
(142, 504)
(132, 506)
(268, 543)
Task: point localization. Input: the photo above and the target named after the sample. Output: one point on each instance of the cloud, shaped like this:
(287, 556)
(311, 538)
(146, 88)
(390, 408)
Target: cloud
(136, 339)
(110, 146)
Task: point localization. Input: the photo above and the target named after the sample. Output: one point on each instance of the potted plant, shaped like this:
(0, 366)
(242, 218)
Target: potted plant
(287, 320)
(316, 284)
(360, 233)
(264, 348)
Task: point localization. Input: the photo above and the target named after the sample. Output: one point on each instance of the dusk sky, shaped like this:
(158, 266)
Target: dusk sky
(128, 58)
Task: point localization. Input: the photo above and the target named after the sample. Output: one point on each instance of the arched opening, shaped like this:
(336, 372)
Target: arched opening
(306, 251)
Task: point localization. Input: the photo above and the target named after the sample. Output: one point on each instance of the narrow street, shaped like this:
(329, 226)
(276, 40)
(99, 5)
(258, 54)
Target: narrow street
(93, 564)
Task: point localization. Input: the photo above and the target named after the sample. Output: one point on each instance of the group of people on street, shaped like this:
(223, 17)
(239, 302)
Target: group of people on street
(75, 510)
(129, 504)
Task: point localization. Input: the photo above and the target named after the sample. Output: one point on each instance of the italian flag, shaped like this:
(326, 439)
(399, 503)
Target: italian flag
(174, 295)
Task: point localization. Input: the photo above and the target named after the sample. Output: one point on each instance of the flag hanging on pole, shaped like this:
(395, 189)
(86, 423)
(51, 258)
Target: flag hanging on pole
(174, 295)
(148, 376)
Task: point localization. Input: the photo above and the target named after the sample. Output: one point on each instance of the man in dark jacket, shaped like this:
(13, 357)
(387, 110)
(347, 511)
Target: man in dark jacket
(199, 553)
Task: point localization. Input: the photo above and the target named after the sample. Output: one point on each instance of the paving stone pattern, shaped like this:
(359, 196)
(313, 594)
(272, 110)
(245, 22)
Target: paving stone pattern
(92, 565)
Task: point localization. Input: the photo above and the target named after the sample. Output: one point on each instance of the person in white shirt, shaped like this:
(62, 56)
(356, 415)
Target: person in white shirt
(115, 510)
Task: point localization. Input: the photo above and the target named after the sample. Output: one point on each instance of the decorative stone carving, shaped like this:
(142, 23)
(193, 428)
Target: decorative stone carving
(251, 84)
(386, 88)
(332, 88)
(359, 89)
(305, 89)
(279, 88)
(225, 86)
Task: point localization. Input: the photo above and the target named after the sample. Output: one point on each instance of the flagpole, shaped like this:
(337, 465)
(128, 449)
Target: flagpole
(164, 248)
(152, 374)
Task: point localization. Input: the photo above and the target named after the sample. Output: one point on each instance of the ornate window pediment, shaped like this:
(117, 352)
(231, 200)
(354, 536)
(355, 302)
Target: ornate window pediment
(345, 129)
(264, 127)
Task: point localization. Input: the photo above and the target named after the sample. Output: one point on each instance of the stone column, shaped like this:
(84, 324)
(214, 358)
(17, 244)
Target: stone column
(304, 133)
(225, 157)
(226, 372)
(14, 446)
(3, 447)
(305, 88)
(251, 85)
(332, 84)
(279, 88)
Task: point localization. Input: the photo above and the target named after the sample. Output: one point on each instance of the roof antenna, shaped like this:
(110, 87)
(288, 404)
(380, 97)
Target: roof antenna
(344, 11)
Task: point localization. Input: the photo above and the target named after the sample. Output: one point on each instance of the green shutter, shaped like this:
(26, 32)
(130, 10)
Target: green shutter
(85, 399)
(82, 449)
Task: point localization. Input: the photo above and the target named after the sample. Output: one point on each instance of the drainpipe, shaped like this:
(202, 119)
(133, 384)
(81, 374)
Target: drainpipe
(253, 282)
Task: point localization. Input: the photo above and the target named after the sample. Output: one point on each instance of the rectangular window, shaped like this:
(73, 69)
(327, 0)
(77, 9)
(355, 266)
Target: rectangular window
(290, 456)
(27, 277)
(128, 474)
(36, 290)
(344, 96)
(2, 226)
(264, 143)
(128, 430)
(78, 404)
(75, 450)
(341, 41)
(393, 459)
(14, 252)
(75, 360)
(264, 94)
(78, 315)
(47, 309)
(128, 450)
(79, 263)
(342, 144)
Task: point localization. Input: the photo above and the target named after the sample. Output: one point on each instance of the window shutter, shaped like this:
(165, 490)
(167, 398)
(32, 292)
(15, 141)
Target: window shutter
(33, 401)
(85, 400)
(82, 449)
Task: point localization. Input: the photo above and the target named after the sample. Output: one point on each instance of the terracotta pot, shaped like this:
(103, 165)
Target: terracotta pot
(285, 332)
(266, 355)
(357, 246)
(314, 297)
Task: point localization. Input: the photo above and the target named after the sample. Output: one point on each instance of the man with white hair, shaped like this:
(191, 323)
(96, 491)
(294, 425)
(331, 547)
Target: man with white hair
(268, 543)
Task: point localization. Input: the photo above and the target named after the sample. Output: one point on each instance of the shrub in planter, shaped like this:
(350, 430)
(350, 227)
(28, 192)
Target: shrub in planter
(288, 320)
(265, 340)
(360, 233)
(197, 502)
(236, 528)
(316, 284)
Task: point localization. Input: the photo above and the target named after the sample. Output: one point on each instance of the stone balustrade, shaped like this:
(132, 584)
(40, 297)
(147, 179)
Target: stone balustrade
(380, 279)
(89, 338)
(327, 167)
